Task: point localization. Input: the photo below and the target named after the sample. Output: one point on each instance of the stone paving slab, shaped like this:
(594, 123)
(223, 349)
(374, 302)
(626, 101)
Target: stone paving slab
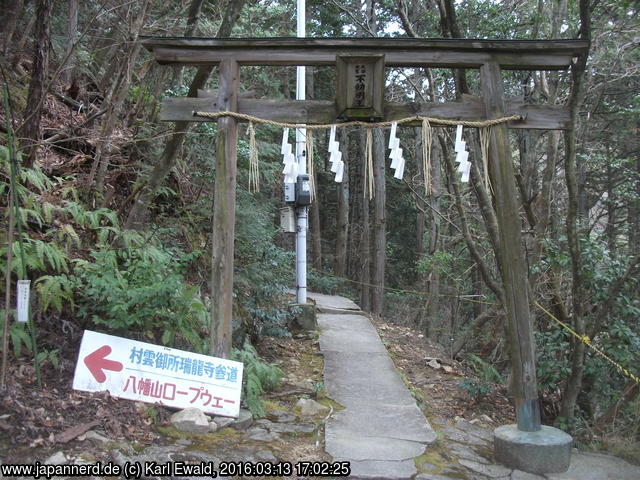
(359, 379)
(354, 447)
(348, 323)
(406, 422)
(382, 430)
(348, 334)
(382, 470)
(344, 311)
(332, 301)
(594, 466)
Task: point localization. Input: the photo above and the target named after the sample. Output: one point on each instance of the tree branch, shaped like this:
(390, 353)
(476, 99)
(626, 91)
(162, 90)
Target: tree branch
(473, 250)
(614, 290)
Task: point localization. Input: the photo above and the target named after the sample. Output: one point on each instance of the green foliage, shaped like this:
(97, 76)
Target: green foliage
(618, 336)
(19, 337)
(488, 376)
(258, 377)
(126, 283)
(21, 341)
(264, 270)
(442, 263)
(552, 365)
(476, 389)
(39, 256)
(89, 218)
(142, 289)
(55, 291)
(484, 370)
(322, 283)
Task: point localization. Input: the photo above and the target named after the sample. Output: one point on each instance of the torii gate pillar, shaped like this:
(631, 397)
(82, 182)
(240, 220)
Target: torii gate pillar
(527, 446)
(224, 208)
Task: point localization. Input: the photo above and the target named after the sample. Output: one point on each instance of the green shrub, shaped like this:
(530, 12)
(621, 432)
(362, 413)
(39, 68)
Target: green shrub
(142, 289)
(323, 283)
(258, 377)
(21, 341)
(264, 270)
(476, 389)
(484, 370)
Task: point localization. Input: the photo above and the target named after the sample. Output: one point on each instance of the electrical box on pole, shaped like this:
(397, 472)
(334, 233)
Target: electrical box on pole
(289, 192)
(303, 190)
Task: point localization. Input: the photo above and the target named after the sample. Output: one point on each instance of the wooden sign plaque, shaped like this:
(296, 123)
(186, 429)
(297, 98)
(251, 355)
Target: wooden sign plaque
(360, 87)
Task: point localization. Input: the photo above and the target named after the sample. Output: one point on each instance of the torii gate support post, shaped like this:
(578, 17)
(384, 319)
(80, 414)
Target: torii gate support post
(224, 208)
(527, 446)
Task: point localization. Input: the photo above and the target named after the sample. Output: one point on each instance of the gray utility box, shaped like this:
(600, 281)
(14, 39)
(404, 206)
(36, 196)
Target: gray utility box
(289, 192)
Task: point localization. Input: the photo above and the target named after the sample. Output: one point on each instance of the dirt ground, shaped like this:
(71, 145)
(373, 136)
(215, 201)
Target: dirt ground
(438, 390)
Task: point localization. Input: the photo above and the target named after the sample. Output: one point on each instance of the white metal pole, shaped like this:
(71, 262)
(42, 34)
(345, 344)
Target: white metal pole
(301, 135)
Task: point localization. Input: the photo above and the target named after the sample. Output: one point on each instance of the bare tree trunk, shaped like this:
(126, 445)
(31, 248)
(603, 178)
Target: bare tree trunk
(314, 211)
(115, 99)
(433, 300)
(364, 241)
(611, 209)
(192, 20)
(422, 320)
(542, 206)
(342, 217)
(30, 129)
(574, 382)
(72, 33)
(379, 224)
(450, 29)
(634, 215)
(472, 330)
(19, 43)
(466, 233)
(527, 179)
(316, 234)
(137, 215)
(11, 10)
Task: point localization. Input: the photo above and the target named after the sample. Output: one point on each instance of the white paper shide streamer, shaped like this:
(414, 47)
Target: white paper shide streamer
(462, 156)
(335, 156)
(397, 161)
(290, 169)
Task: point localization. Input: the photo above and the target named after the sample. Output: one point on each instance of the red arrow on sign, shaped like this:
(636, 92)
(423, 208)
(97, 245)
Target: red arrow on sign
(96, 363)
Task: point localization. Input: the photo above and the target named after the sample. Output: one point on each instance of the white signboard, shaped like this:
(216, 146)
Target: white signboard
(151, 373)
(23, 301)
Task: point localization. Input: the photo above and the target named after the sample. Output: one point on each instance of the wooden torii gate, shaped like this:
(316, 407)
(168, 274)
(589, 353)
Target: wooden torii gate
(490, 56)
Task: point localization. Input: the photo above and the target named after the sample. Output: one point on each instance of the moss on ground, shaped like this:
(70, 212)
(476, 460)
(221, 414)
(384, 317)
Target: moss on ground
(204, 441)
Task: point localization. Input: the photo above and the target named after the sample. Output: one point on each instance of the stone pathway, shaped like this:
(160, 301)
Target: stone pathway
(381, 429)
(385, 436)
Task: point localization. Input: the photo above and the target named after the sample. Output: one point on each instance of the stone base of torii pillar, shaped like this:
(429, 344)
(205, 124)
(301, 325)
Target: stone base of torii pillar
(547, 450)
